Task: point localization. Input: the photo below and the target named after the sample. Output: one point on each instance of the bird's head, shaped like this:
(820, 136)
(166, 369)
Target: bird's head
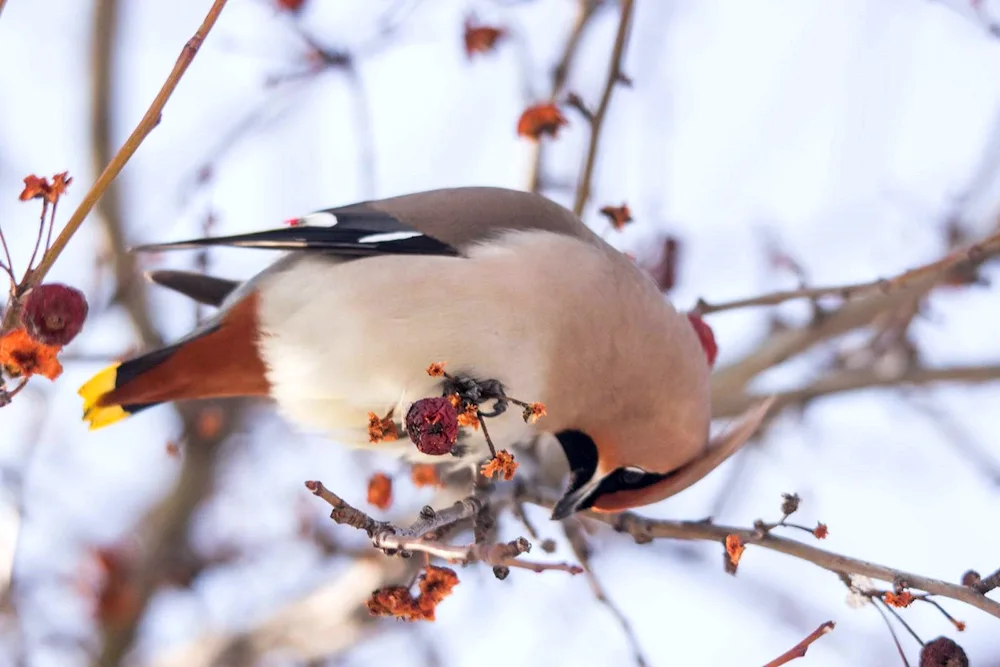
(639, 463)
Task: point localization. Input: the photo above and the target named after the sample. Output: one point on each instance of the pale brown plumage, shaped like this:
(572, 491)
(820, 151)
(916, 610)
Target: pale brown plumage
(499, 284)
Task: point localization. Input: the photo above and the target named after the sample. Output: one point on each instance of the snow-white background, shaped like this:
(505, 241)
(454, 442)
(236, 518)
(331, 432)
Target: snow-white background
(846, 130)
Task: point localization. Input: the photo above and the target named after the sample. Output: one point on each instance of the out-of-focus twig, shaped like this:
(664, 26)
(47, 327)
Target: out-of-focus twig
(972, 254)
(586, 9)
(643, 529)
(799, 650)
(3, 3)
(578, 542)
(727, 405)
(165, 527)
(597, 120)
(146, 125)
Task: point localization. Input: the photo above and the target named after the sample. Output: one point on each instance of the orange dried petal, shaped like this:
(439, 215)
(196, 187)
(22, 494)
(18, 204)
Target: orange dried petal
(21, 355)
(503, 464)
(380, 491)
(540, 119)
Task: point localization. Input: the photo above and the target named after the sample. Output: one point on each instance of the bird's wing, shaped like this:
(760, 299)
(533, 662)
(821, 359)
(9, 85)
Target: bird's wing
(208, 290)
(437, 222)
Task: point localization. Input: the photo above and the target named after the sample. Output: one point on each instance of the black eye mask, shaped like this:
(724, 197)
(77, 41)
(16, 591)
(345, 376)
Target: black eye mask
(581, 453)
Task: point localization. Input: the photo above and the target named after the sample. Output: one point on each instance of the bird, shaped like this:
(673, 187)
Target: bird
(497, 283)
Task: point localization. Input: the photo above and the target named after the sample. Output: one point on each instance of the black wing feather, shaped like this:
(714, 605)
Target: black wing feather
(355, 233)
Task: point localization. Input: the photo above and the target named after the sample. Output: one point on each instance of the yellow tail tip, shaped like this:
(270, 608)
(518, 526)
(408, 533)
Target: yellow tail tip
(99, 417)
(91, 392)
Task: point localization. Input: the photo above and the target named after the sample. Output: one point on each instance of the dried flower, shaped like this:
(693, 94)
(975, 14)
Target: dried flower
(734, 551)
(22, 355)
(534, 412)
(381, 428)
(380, 491)
(901, 599)
(618, 216)
(208, 424)
(503, 464)
(469, 416)
(705, 337)
(290, 5)
(821, 531)
(424, 474)
(435, 585)
(790, 503)
(436, 369)
(859, 591)
(540, 119)
(432, 424)
(481, 38)
(36, 187)
(943, 652)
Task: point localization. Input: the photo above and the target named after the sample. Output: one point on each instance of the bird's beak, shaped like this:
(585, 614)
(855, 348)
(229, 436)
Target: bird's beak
(576, 497)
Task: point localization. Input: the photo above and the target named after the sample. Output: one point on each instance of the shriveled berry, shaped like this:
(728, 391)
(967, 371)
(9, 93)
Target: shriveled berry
(943, 652)
(432, 424)
(54, 313)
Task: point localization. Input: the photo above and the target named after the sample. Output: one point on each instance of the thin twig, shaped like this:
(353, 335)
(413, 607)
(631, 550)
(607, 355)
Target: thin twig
(586, 9)
(869, 378)
(974, 254)
(895, 637)
(41, 232)
(799, 650)
(577, 541)
(146, 125)
(644, 529)
(597, 122)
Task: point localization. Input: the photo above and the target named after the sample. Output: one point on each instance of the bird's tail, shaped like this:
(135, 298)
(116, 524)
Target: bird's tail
(217, 362)
(106, 396)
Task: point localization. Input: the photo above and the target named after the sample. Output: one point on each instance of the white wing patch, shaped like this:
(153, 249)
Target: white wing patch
(321, 219)
(388, 236)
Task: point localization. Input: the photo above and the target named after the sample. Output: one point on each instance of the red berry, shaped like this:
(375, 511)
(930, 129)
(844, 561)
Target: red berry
(432, 424)
(54, 313)
(705, 337)
(943, 652)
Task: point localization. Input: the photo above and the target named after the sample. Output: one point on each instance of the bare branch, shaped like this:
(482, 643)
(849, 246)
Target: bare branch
(868, 378)
(597, 122)
(799, 650)
(643, 530)
(973, 254)
(390, 538)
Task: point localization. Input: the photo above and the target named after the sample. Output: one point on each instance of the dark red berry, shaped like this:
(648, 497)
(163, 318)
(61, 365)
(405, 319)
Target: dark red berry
(943, 652)
(432, 424)
(54, 313)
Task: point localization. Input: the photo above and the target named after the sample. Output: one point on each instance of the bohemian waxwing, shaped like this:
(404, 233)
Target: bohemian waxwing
(498, 284)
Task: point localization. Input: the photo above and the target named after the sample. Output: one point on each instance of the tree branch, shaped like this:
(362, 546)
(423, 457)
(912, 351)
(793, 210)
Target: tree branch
(970, 255)
(643, 530)
(799, 650)
(597, 122)
(419, 537)
(868, 378)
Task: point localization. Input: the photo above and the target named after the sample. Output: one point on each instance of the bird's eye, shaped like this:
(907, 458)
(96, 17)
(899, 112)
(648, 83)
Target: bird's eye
(631, 476)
